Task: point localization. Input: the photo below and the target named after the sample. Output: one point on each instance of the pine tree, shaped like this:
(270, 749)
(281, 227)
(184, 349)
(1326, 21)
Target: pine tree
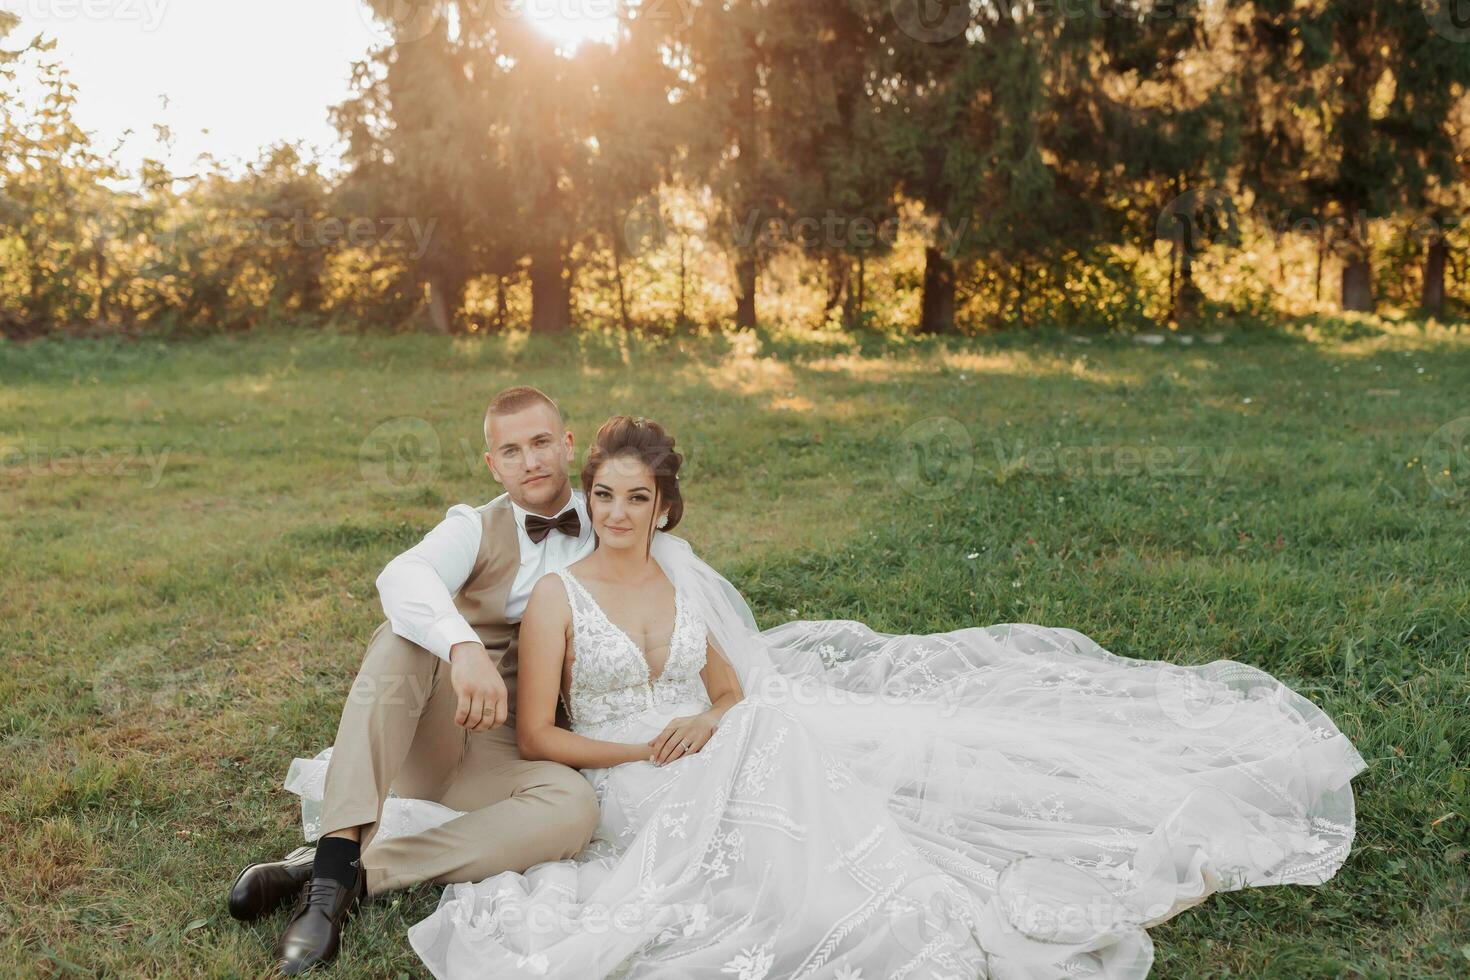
(1347, 103)
(724, 123)
(837, 177)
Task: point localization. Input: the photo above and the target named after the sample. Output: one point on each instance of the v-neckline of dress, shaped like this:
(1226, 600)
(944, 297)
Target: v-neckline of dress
(638, 653)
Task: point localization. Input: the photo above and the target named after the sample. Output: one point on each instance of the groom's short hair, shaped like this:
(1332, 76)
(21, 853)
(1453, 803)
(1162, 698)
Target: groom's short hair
(517, 399)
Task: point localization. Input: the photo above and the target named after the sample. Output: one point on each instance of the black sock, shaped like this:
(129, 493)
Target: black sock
(336, 858)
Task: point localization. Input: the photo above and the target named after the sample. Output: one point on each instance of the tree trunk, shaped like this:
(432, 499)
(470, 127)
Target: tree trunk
(745, 283)
(312, 293)
(1186, 297)
(838, 272)
(551, 295)
(99, 270)
(1321, 253)
(936, 314)
(36, 308)
(617, 264)
(852, 307)
(1432, 301)
(1357, 269)
(747, 176)
(1455, 274)
(683, 280)
(1020, 313)
(1357, 284)
(444, 303)
(500, 310)
(1174, 277)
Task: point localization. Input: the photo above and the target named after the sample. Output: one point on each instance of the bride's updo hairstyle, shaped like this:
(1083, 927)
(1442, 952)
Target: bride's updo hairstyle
(636, 437)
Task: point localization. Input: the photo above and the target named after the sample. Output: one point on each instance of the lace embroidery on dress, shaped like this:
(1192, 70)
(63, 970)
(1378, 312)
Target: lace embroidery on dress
(611, 679)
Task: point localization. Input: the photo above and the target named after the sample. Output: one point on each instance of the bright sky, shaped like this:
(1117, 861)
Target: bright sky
(250, 72)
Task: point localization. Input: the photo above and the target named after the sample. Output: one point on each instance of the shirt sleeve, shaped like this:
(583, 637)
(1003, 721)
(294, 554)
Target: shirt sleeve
(418, 587)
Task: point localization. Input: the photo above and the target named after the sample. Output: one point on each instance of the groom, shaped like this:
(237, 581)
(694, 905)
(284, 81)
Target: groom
(431, 714)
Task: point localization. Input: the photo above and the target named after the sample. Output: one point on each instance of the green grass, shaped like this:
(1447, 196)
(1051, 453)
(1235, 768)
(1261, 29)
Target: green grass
(191, 535)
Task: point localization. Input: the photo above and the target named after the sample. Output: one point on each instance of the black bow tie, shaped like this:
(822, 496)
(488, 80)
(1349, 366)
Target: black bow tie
(567, 522)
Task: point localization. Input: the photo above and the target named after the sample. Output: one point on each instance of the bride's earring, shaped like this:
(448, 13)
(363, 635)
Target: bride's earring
(663, 522)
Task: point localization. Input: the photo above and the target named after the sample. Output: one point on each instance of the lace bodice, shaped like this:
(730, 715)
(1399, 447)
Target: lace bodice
(611, 681)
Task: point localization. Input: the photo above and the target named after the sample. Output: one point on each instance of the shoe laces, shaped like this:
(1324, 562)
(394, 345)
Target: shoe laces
(319, 892)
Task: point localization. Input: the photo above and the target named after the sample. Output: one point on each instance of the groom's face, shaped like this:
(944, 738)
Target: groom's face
(530, 452)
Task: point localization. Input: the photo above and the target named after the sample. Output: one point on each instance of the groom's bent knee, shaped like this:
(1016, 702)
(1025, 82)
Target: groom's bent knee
(395, 672)
(569, 811)
(551, 816)
(388, 652)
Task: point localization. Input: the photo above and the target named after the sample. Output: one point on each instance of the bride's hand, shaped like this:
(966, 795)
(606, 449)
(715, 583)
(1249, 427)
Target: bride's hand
(681, 737)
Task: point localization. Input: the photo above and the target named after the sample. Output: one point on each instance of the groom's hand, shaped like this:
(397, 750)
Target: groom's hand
(483, 702)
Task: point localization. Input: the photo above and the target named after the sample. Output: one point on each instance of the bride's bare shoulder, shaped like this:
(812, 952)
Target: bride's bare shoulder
(548, 599)
(590, 578)
(579, 567)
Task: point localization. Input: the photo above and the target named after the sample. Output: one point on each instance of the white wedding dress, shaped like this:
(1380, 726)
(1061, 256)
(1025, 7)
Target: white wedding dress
(1008, 801)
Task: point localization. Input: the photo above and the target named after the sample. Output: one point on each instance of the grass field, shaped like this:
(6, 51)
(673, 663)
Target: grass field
(191, 535)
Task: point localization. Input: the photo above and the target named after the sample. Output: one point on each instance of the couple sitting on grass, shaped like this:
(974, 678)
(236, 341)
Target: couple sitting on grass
(574, 724)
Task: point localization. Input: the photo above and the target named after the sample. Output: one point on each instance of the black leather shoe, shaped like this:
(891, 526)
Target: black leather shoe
(315, 930)
(262, 888)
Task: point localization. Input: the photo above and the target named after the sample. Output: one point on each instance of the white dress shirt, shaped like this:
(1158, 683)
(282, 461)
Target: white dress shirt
(418, 587)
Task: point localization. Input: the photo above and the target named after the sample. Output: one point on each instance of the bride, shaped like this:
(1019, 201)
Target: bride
(819, 800)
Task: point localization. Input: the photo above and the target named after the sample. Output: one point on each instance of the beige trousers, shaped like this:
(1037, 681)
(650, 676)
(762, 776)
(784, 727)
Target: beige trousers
(398, 731)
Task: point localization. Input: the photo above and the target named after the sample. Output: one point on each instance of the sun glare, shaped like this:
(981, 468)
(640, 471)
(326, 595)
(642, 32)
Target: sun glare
(571, 28)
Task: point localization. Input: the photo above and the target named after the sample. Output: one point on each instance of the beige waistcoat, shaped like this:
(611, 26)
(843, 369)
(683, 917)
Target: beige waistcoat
(481, 601)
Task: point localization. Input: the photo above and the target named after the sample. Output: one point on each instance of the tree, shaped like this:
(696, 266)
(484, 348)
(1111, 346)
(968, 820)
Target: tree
(838, 177)
(287, 200)
(725, 121)
(1152, 136)
(631, 135)
(1346, 108)
(426, 150)
(978, 97)
(57, 222)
